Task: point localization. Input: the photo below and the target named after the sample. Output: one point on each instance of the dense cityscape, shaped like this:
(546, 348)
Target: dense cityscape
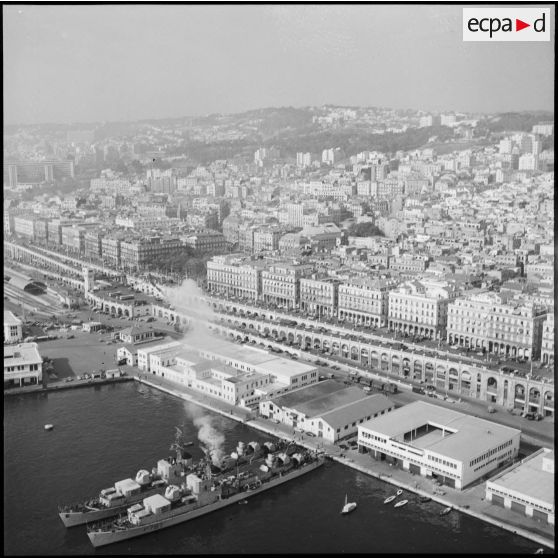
(427, 270)
(324, 326)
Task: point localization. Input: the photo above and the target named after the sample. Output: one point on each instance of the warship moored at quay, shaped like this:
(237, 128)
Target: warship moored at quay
(114, 500)
(195, 489)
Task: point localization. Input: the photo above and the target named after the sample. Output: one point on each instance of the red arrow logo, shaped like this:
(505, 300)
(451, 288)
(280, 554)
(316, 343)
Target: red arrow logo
(519, 25)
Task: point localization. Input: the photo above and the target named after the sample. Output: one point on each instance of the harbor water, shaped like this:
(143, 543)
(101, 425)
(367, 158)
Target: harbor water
(108, 433)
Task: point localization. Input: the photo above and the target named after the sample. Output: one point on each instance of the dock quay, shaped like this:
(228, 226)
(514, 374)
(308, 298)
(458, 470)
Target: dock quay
(469, 501)
(62, 385)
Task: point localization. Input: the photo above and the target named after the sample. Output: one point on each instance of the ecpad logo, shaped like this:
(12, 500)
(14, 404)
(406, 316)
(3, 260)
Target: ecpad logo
(506, 24)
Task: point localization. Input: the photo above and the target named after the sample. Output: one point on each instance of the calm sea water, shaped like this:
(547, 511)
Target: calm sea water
(108, 433)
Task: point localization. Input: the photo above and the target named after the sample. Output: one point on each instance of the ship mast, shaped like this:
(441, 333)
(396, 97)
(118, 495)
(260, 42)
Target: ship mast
(177, 445)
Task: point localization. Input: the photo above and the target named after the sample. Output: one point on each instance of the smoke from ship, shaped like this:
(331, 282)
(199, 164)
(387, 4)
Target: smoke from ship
(212, 441)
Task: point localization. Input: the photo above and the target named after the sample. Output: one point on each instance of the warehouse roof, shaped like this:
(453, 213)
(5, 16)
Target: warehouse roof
(463, 437)
(356, 410)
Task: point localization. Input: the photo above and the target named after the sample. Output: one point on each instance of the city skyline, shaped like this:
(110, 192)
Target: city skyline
(196, 60)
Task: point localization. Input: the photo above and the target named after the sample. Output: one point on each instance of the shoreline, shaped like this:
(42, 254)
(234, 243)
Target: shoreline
(348, 461)
(62, 385)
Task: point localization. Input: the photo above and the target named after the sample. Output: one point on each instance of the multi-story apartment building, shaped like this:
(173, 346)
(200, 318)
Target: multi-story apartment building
(389, 188)
(135, 252)
(409, 263)
(92, 244)
(41, 230)
(365, 301)
(16, 172)
(319, 295)
(110, 248)
(281, 283)
(206, 241)
(24, 225)
(73, 238)
(547, 345)
(266, 239)
(233, 275)
(420, 308)
(496, 323)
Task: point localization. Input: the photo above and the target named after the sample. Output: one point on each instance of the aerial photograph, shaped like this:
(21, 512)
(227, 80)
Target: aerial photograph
(278, 278)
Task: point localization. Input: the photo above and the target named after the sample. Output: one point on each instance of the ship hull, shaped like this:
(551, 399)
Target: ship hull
(72, 519)
(102, 538)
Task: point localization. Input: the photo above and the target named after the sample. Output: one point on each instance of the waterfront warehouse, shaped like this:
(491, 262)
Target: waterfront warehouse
(438, 443)
(527, 487)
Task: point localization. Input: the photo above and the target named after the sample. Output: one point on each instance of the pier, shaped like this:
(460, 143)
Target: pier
(62, 385)
(470, 500)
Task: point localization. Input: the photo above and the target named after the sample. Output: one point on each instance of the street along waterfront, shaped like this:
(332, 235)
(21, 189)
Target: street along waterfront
(110, 432)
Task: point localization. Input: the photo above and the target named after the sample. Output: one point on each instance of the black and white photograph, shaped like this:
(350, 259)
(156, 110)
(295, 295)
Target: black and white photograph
(278, 278)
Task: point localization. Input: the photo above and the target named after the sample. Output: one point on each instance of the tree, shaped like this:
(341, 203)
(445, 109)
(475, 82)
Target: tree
(364, 229)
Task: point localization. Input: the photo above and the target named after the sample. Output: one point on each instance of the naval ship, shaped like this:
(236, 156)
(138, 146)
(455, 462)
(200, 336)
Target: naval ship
(202, 487)
(114, 500)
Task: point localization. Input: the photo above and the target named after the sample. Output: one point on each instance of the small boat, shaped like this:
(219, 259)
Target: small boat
(424, 499)
(399, 492)
(390, 499)
(401, 503)
(539, 551)
(243, 502)
(348, 507)
(445, 511)
(49, 426)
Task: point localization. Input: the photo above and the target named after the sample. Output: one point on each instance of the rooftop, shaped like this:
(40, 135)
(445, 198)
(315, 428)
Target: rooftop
(529, 478)
(22, 353)
(368, 406)
(464, 436)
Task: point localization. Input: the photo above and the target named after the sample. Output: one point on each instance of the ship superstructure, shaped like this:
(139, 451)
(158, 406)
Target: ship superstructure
(116, 499)
(204, 487)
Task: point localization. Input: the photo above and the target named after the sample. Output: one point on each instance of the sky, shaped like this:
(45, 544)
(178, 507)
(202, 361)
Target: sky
(92, 63)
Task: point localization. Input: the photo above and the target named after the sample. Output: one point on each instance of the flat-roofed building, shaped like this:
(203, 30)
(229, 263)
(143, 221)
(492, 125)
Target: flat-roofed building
(285, 374)
(438, 443)
(151, 358)
(365, 301)
(12, 328)
(325, 409)
(281, 283)
(319, 295)
(497, 323)
(206, 241)
(420, 308)
(234, 275)
(23, 365)
(527, 487)
(234, 386)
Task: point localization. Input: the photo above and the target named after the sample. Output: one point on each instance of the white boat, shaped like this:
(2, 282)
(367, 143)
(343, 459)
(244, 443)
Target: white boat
(401, 503)
(399, 492)
(390, 499)
(445, 511)
(349, 506)
(49, 426)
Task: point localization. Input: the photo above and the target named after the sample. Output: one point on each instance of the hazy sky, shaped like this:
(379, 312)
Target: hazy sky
(65, 63)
